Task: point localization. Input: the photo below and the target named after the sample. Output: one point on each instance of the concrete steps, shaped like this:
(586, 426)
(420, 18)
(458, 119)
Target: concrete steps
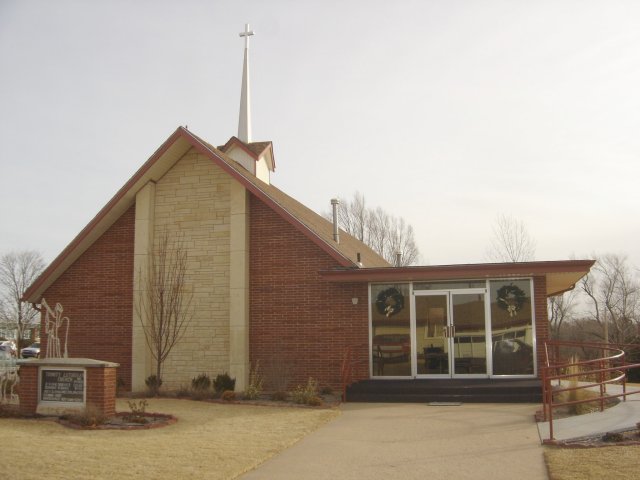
(447, 390)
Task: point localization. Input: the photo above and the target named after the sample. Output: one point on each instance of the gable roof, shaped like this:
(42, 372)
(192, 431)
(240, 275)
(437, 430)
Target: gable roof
(255, 149)
(312, 225)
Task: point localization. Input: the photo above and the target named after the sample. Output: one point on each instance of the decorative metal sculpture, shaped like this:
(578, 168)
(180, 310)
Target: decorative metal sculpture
(53, 320)
(8, 380)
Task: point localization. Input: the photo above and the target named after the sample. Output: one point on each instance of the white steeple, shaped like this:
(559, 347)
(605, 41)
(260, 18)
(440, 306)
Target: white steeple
(244, 123)
(255, 157)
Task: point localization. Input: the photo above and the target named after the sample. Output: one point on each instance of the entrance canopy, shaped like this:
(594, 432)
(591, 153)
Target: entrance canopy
(561, 275)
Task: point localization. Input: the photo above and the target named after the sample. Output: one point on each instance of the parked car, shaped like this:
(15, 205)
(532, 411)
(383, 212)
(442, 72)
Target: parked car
(8, 346)
(32, 351)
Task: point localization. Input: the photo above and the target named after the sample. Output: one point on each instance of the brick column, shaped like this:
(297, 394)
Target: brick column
(28, 389)
(101, 389)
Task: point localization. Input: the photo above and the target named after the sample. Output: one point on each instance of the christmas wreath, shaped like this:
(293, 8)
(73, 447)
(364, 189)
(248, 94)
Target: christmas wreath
(389, 302)
(511, 299)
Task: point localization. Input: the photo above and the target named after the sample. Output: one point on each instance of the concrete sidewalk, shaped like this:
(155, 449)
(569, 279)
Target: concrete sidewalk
(621, 416)
(416, 441)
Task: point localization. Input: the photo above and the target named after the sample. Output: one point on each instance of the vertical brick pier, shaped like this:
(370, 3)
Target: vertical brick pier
(99, 382)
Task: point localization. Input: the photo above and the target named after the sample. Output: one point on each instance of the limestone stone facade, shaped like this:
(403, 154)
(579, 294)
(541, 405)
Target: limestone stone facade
(192, 206)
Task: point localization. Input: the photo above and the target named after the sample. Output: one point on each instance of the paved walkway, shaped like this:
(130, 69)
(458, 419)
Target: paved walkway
(416, 441)
(622, 416)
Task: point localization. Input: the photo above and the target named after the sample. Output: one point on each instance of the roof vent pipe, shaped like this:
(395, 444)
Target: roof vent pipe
(334, 205)
(398, 259)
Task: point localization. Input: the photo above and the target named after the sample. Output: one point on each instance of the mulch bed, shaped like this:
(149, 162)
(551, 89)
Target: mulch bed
(121, 421)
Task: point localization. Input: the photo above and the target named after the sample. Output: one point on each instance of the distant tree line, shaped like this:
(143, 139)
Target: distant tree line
(386, 234)
(603, 307)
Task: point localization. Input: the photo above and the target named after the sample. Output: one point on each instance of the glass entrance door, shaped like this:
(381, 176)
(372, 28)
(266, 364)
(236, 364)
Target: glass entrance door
(450, 334)
(432, 329)
(469, 354)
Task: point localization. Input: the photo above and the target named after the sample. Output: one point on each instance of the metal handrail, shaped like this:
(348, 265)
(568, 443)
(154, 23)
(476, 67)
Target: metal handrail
(345, 372)
(348, 364)
(598, 368)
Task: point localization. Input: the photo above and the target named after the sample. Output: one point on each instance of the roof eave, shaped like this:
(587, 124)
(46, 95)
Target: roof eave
(114, 208)
(574, 268)
(125, 197)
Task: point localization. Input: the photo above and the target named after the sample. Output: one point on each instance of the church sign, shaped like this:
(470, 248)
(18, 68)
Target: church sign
(64, 386)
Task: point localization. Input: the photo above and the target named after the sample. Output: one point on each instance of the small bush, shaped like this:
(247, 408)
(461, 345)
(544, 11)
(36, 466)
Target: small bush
(306, 394)
(224, 382)
(138, 410)
(256, 381)
(280, 396)
(201, 383)
(153, 384)
(228, 395)
(89, 417)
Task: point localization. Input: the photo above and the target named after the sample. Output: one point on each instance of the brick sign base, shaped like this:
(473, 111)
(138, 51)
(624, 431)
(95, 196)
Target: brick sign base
(59, 386)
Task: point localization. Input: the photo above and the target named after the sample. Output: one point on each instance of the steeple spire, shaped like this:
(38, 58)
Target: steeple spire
(244, 123)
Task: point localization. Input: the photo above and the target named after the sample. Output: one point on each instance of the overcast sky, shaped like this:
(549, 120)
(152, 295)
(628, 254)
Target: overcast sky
(446, 113)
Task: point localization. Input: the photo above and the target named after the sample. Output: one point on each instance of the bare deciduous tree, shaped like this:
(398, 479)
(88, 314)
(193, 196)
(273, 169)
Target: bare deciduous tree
(165, 304)
(18, 270)
(511, 241)
(613, 293)
(384, 233)
(561, 309)
(353, 217)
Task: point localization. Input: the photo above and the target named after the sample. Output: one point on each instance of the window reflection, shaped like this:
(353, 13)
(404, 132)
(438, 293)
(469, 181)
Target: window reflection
(512, 327)
(390, 328)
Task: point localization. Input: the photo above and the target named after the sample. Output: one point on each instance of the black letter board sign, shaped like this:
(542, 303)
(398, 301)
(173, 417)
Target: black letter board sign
(62, 386)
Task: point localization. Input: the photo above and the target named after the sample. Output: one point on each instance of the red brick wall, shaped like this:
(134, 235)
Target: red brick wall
(96, 292)
(100, 385)
(295, 316)
(28, 389)
(101, 390)
(542, 318)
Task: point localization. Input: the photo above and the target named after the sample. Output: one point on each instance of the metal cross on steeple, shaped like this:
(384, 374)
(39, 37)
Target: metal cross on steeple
(246, 34)
(244, 123)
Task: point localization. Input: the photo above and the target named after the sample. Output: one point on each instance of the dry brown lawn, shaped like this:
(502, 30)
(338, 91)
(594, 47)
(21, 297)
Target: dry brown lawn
(621, 463)
(213, 441)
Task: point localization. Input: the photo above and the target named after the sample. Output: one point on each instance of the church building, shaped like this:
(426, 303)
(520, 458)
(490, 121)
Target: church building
(273, 282)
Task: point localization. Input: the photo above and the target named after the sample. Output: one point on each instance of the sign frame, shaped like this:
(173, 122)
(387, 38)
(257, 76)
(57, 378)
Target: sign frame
(61, 403)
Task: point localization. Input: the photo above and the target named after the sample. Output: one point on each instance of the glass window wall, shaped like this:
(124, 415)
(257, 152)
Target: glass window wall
(511, 327)
(391, 330)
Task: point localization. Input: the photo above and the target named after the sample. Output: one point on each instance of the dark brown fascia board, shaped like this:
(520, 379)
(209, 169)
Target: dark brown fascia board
(463, 271)
(89, 228)
(196, 143)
